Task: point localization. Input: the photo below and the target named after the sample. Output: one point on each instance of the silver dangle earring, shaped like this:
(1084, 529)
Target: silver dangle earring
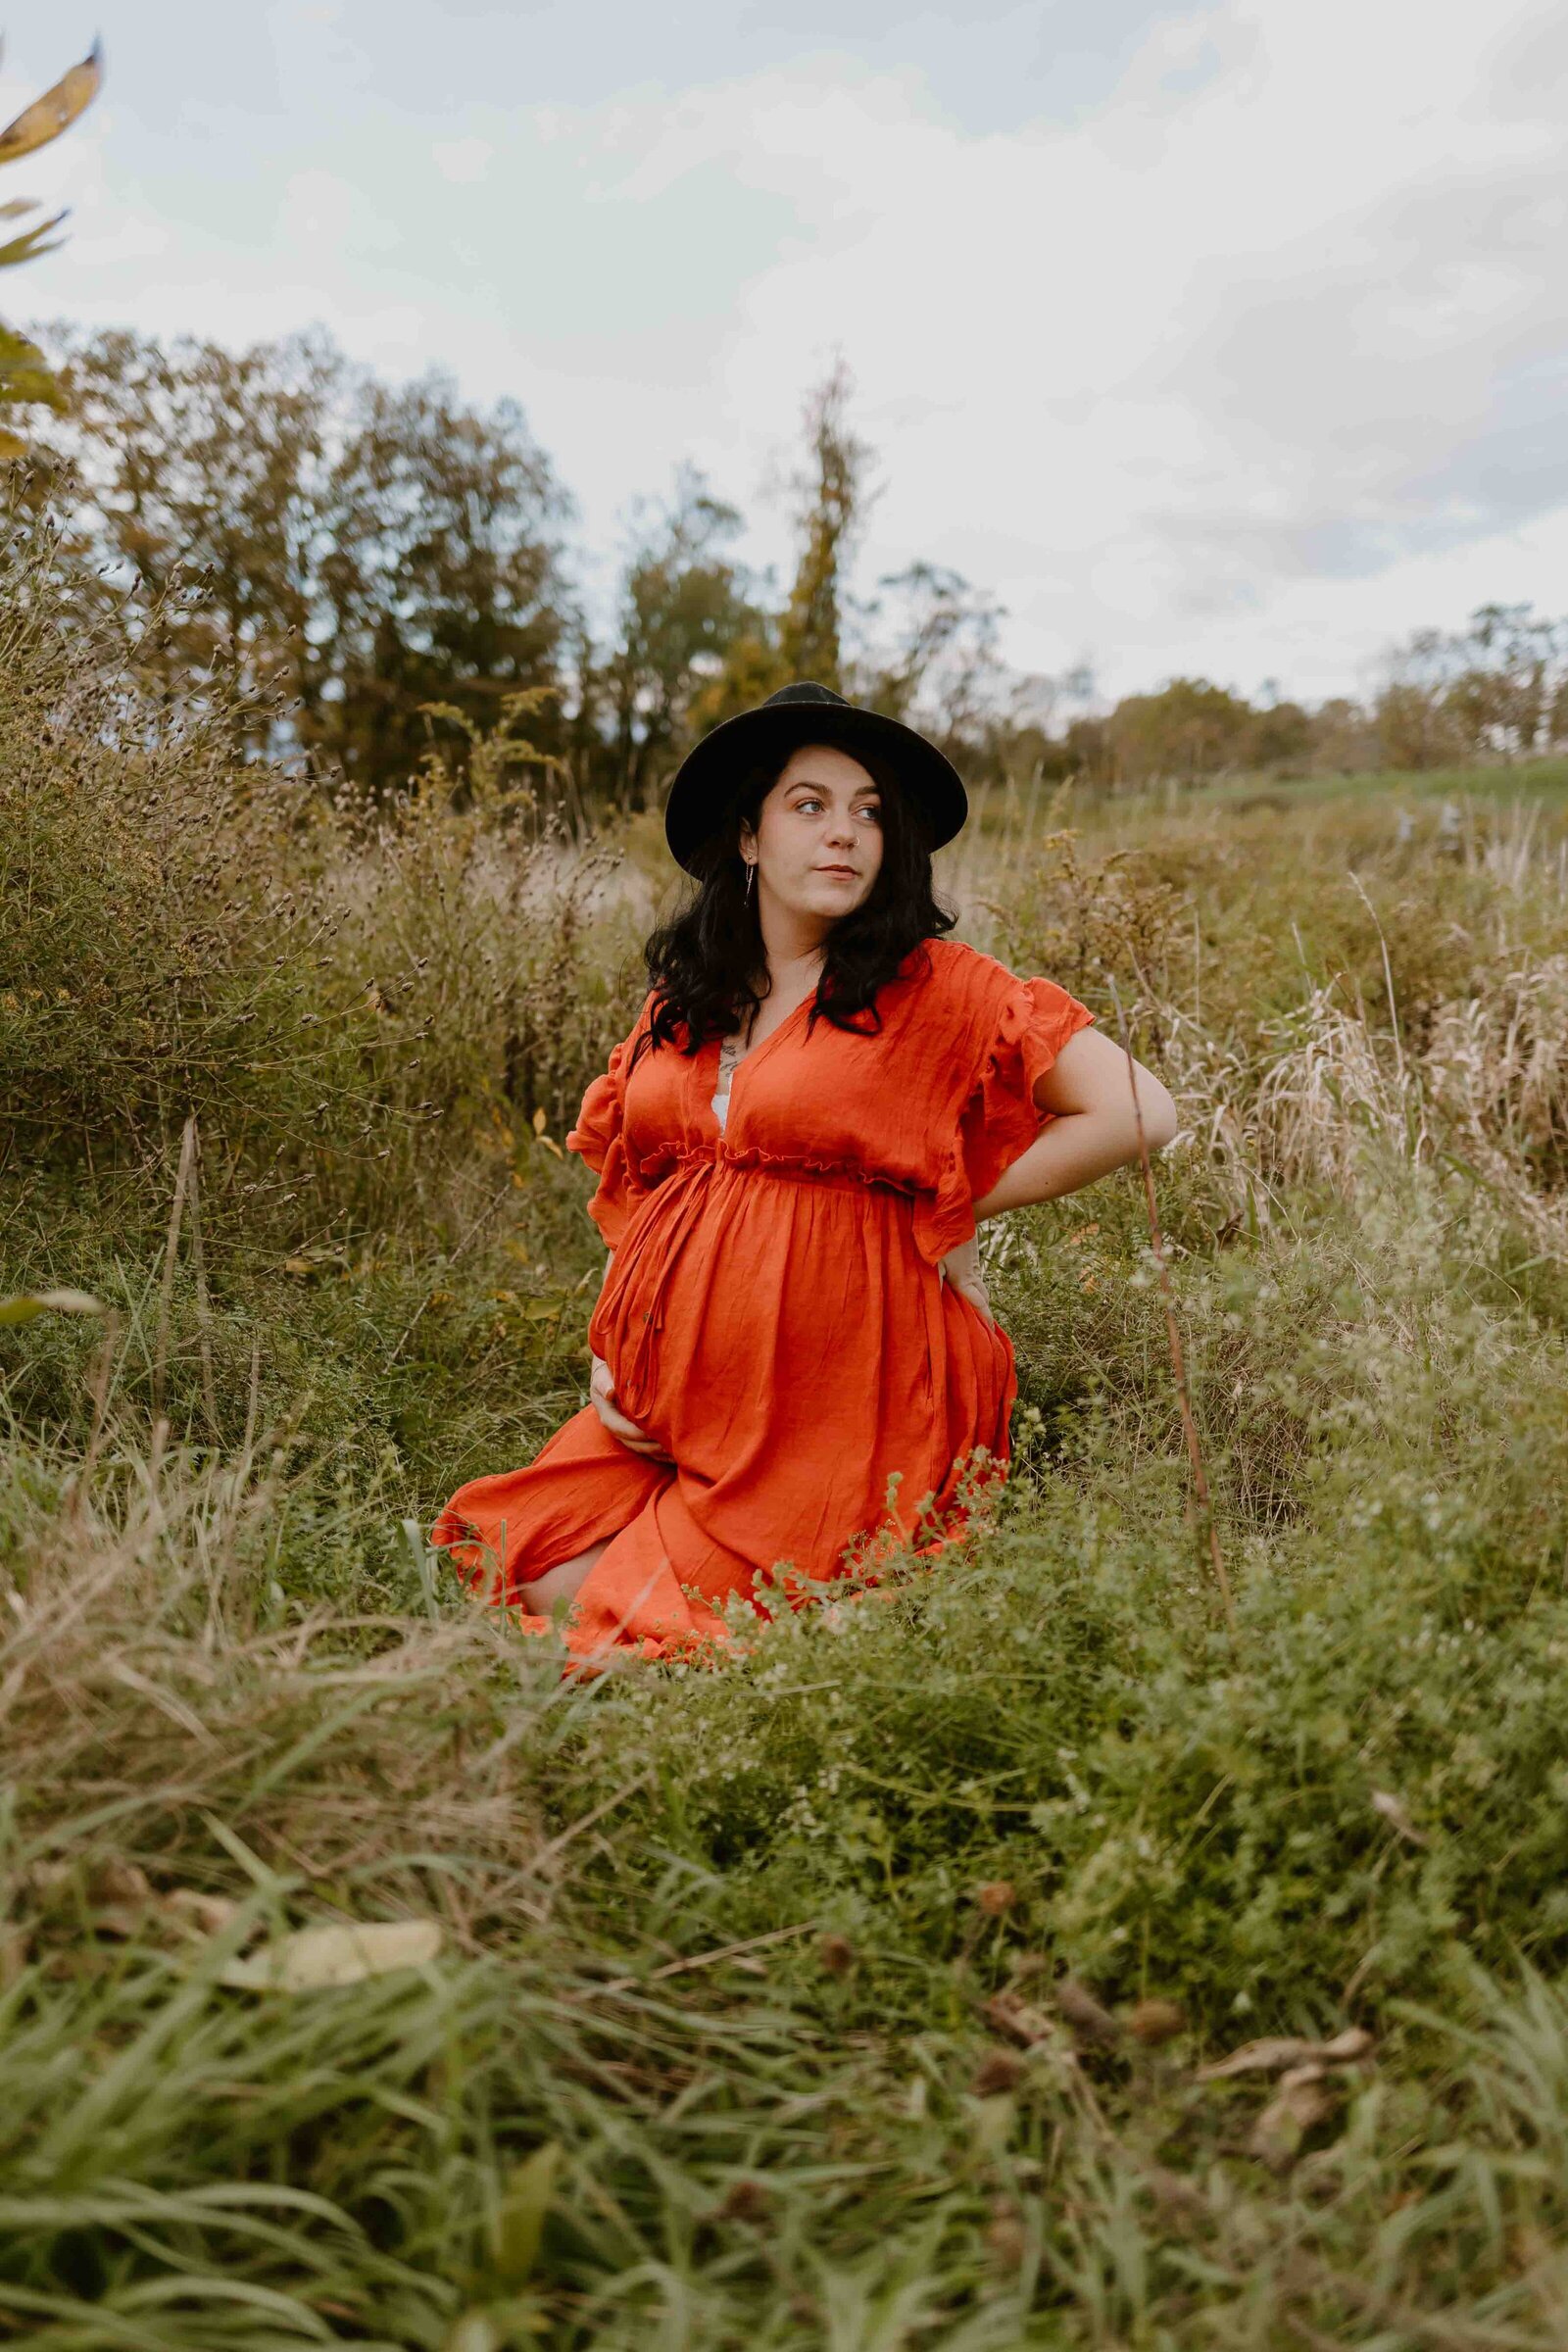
(751, 875)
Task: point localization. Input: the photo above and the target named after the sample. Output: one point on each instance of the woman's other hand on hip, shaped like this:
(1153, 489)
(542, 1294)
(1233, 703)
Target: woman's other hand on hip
(962, 1269)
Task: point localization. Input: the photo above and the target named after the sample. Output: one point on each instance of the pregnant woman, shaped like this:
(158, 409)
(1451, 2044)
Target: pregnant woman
(793, 1357)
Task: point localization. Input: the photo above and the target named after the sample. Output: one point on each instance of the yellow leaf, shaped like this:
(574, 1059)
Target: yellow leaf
(1301, 2101)
(539, 1122)
(316, 1958)
(550, 1144)
(1282, 2051)
(47, 117)
(204, 1914)
(39, 1303)
(1392, 1810)
(520, 2221)
(474, 2331)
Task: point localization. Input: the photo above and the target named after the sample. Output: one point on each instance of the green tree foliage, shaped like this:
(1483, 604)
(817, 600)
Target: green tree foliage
(941, 660)
(1495, 688)
(378, 569)
(1280, 737)
(1341, 737)
(831, 491)
(1189, 729)
(353, 550)
(685, 607)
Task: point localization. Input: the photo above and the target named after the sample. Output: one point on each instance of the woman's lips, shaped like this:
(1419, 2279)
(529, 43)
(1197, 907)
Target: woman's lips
(848, 870)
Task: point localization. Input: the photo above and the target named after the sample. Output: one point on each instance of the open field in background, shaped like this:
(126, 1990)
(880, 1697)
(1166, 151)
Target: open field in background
(870, 1992)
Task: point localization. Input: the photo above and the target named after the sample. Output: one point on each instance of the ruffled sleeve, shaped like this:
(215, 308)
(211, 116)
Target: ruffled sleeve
(1025, 1025)
(999, 1120)
(600, 1137)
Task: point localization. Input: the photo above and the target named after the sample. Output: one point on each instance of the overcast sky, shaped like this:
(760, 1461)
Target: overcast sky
(1227, 340)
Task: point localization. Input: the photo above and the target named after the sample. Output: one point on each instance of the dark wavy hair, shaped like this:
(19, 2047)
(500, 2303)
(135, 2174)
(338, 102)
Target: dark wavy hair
(706, 966)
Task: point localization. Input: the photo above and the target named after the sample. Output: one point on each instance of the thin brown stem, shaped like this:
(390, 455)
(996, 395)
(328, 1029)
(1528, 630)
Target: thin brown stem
(1206, 1527)
(102, 1371)
(199, 1264)
(166, 1288)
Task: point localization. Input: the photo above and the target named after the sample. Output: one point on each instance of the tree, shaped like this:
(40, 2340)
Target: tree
(831, 494)
(1189, 728)
(803, 640)
(351, 550)
(1509, 663)
(942, 665)
(685, 605)
(1413, 730)
(1280, 737)
(1343, 739)
(204, 477)
(440, 578)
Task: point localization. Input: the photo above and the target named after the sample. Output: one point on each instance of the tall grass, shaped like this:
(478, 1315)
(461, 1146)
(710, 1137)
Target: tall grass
(867, 1992)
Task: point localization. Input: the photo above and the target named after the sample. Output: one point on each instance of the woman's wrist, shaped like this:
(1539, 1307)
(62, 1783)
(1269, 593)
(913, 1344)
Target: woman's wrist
(961, 1263)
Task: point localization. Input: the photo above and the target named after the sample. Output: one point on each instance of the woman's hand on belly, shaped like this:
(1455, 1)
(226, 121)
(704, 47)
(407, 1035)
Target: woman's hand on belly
(601, 1395)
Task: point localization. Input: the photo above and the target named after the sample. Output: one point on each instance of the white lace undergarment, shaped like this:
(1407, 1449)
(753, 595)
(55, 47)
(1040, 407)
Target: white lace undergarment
(727, 1055)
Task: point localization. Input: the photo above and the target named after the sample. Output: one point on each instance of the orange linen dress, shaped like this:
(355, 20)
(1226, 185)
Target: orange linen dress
(775, 1315)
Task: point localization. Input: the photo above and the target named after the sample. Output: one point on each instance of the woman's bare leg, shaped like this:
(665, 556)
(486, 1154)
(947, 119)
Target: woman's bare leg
(541, 1592)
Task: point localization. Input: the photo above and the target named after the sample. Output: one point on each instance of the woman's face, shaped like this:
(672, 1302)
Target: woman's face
(818, 836)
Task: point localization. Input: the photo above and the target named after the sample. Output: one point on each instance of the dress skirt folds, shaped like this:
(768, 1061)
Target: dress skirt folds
(775, 1315)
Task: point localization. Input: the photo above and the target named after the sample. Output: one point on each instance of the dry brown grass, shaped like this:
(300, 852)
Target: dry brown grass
(162, 1712)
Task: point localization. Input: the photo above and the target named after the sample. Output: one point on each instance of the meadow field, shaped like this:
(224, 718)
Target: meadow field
(1137, 1935)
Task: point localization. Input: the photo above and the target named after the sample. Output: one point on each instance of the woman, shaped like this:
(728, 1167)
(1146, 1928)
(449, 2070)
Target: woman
(794, 1359)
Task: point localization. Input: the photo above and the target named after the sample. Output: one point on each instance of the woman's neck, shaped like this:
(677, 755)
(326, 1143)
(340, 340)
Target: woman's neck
(785, 968)
(790, 936)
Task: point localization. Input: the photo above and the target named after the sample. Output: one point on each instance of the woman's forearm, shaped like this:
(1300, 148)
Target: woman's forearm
(1070, 1152)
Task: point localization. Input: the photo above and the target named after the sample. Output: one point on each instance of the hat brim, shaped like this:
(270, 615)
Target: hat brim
(703, 785)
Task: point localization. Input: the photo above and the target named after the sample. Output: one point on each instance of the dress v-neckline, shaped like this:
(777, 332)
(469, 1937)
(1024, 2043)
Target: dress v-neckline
(715, 1046)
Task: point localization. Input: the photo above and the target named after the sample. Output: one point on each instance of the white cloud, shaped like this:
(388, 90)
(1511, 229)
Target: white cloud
(324, 208)
(462, 161)
(1249, 367)
(1252, 332)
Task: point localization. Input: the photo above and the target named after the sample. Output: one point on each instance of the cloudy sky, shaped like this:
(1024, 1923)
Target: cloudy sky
(1226, 339)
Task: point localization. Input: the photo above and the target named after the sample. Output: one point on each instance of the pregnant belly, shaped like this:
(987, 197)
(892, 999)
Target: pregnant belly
(751, 1314)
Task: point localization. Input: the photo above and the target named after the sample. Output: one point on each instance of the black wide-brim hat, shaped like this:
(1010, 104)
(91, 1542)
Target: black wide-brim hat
(706, 779)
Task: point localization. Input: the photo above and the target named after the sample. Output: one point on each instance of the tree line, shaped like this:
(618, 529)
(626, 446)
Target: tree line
(375, 569)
